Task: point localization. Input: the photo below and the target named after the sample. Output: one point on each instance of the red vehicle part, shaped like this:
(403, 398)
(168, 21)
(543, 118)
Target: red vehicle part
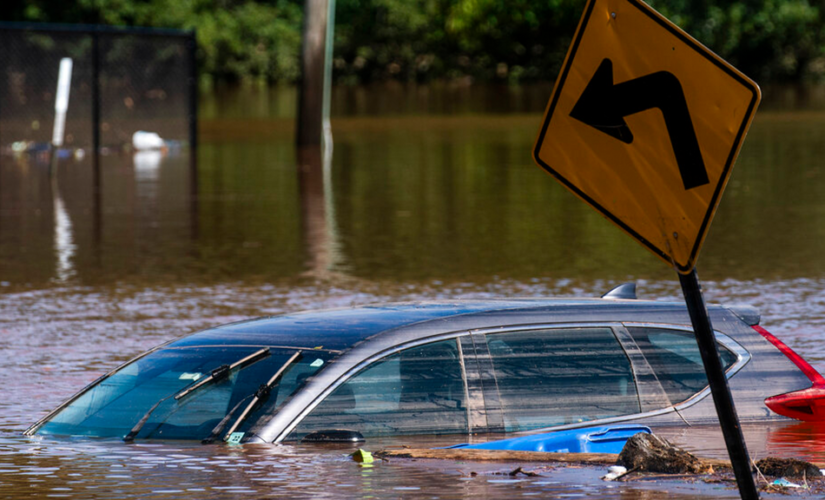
(808, 404)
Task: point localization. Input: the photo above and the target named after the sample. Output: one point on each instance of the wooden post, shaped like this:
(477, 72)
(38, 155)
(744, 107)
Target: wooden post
(313, 74)
(313, 130)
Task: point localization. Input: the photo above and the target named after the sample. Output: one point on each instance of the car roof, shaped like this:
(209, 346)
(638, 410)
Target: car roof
(340, 329)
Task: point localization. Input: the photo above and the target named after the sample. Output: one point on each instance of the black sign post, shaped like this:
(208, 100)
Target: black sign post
(731, 430)
(659, 175)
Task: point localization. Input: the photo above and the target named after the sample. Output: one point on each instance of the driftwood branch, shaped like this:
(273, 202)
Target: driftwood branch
(517, 456)
(501, 456)
(642, 452)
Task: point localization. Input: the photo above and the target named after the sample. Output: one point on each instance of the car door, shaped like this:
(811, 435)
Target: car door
(555, 376)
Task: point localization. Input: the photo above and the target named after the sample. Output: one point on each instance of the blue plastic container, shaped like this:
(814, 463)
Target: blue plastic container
(603, 439)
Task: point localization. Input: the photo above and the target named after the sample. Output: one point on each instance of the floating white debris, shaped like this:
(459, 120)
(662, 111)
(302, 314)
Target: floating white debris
(785, 483)
(613, 472)
(142, 140)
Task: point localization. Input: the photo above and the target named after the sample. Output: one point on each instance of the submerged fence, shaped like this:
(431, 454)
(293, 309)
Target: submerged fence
(124, 80)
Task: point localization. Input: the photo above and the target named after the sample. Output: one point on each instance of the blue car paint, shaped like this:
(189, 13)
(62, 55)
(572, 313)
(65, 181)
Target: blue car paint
(603, 439)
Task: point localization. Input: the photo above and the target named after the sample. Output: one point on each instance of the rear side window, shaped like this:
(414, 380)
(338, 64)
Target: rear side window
(561, 376)
(416, 391)
(674, 357)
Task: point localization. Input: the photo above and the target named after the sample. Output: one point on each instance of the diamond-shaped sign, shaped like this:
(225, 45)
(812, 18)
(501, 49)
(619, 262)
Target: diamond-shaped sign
(645, 124)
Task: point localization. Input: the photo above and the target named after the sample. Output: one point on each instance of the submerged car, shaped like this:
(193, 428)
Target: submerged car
(434, 368)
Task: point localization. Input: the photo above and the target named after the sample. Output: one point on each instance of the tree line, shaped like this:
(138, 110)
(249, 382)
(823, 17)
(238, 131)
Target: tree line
(506, 41)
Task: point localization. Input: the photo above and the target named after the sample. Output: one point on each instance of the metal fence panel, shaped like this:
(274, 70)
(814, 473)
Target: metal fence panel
(145, 82)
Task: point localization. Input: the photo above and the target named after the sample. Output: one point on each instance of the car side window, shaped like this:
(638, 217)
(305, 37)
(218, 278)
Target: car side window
(419, 390)
(674, 357)
(561, 376)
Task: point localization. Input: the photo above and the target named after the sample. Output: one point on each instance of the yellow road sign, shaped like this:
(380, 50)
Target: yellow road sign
(644, 124)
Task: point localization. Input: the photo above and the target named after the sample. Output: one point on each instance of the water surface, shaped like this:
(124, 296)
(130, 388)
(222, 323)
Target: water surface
(430, 193)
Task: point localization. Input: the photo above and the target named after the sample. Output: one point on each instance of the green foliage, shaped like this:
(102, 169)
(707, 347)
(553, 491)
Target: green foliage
(381, 39)
(248, 40)
(237, 39)
(769, 40)
(420, 40)
(514, 40)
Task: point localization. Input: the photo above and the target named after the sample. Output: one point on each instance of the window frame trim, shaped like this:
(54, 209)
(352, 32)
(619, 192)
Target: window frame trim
(743, 357)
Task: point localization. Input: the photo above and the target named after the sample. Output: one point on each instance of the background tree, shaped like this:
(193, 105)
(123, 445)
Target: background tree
(420, 40)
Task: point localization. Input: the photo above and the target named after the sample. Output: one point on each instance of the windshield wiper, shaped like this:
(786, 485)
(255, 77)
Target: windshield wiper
(262, 394)
(215, 375)
(223, 371)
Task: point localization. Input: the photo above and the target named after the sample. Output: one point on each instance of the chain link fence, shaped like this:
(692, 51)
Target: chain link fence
(124, 80)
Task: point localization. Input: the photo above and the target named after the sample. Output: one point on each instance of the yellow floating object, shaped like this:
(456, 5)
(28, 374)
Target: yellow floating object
(362, 456)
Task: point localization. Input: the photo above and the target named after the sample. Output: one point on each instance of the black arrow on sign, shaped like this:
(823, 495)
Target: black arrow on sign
(604, 105)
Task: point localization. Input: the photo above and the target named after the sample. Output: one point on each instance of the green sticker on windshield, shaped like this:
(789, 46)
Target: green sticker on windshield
(235, 438)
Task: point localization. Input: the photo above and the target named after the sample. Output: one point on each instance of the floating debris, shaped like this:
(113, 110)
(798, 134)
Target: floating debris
(499, 455)
(785, 483)
(650, 453)
(525, 472)
(614, 472)
(142, 140)
(362, 456)
(787, 467)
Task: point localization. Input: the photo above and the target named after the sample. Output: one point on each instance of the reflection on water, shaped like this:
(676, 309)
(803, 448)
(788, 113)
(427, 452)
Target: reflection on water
(114, 470)
(63, 240)
(410, 197)
(147, 165)
(430, 193)
(806, 436)
(318, 216)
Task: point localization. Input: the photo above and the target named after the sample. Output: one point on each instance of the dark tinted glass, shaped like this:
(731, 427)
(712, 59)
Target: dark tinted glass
(113, 406)
(561, 376)
(416, 391)
(674, 357)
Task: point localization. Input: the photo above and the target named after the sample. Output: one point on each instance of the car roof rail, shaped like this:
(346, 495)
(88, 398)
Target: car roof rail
(625, 291)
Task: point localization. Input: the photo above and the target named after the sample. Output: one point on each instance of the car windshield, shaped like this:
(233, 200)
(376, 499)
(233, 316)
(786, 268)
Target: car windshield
(158, 388)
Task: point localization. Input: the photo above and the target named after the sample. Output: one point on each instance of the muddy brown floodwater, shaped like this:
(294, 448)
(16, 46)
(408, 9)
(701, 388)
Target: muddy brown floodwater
(431, 193)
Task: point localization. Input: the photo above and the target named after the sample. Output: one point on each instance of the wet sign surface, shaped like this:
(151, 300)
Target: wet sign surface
(644, 124)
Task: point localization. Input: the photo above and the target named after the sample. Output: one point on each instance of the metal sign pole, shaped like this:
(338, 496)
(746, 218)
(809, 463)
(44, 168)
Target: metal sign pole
(726, 411)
